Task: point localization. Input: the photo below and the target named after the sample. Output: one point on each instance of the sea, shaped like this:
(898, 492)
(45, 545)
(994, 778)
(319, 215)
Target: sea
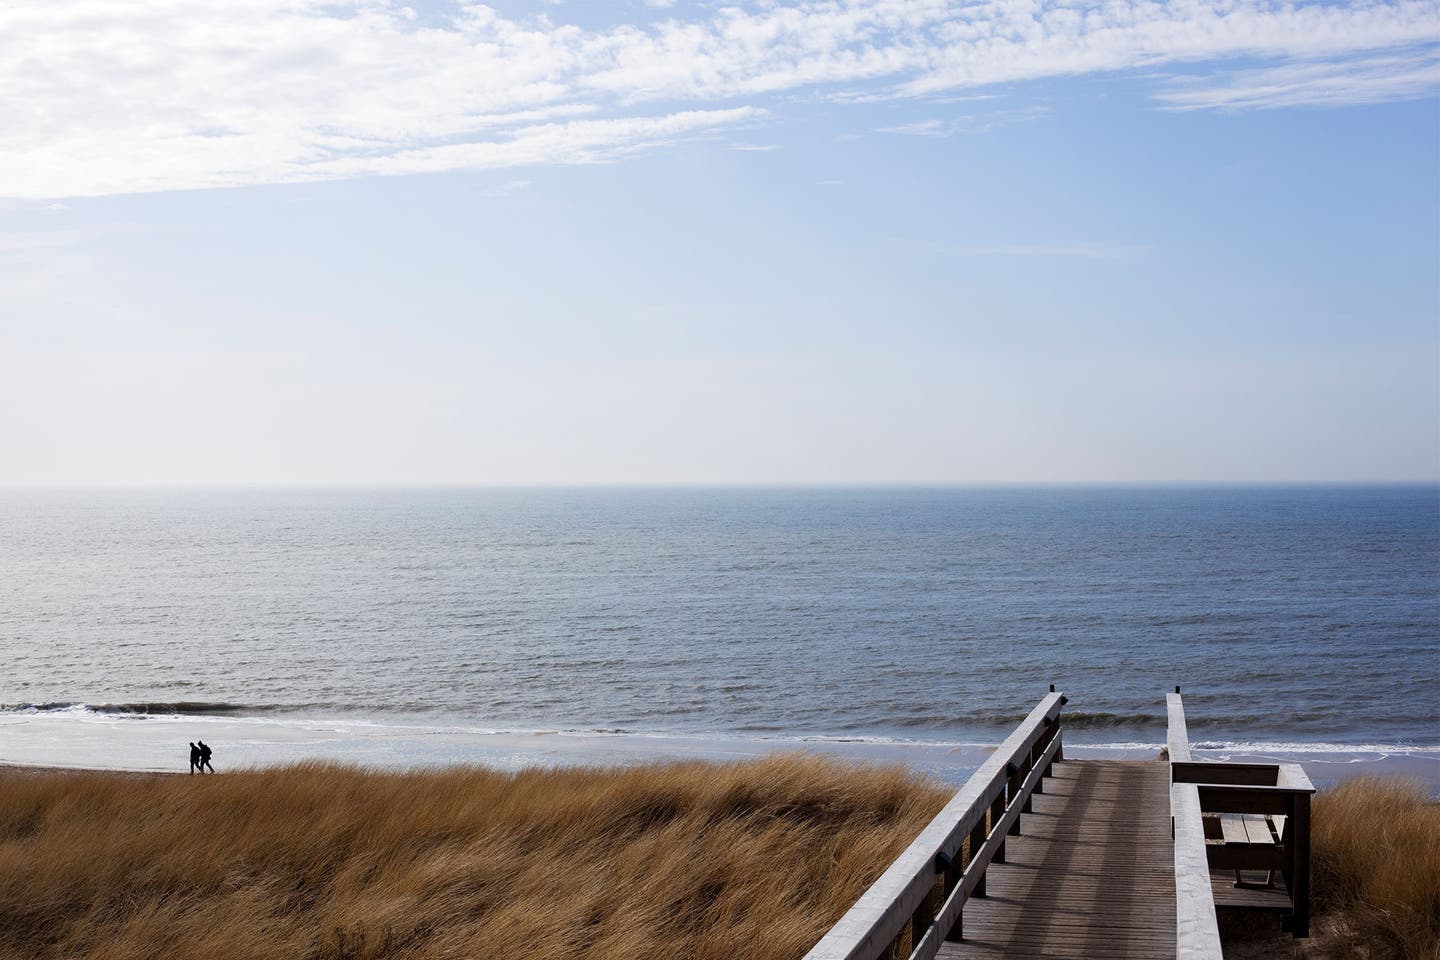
(413, 627)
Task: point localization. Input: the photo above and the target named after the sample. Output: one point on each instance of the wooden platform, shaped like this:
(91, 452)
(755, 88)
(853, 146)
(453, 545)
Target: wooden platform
(1230, 897)
(1092, 875)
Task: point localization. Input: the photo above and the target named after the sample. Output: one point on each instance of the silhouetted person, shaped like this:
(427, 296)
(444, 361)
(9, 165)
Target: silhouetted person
(205, 758)
(194, 757)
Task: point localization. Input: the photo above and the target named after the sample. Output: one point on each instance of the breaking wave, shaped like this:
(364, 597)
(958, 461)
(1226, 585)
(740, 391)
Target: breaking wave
(190, 708)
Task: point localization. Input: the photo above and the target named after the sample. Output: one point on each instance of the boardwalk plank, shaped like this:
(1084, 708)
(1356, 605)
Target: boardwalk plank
(1091, 876)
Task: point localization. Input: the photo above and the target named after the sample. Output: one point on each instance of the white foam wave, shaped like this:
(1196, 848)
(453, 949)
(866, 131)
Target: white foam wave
(1288, 747)
(368, 728)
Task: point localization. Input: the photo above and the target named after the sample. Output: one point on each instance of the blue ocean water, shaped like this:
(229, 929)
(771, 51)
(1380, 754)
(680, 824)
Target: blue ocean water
(1287, 615)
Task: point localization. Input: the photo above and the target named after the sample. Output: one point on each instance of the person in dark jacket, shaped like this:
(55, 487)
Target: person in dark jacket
(194, 757)
(205, 758)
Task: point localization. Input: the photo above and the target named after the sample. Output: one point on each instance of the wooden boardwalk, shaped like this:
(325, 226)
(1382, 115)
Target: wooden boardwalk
(1092, 874)
(1040, 856)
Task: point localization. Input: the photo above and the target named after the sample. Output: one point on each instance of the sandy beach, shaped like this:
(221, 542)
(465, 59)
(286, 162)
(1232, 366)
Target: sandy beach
(157, 744)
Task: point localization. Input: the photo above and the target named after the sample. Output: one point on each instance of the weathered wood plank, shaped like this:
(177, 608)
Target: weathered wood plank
(1273, 899)
(1232, 828)
(1177, 739)
(1258, 828)
(1244, 856)
(1213, 771)
(1090, 876)
(1220, 798)
(1293, 777)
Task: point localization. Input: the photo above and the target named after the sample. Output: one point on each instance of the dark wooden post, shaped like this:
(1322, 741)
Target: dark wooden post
(997, 810)
(1052, 730)
(1060, 732)
(1017, 777)
(953, 870)
(1299, 879)
(1025, 767)
(1040, 748)
(977, 840)
(953, 873)
(923, 916)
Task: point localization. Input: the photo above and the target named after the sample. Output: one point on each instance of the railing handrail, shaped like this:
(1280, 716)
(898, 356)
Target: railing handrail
(870, 926)
(1177, 738)
(1197, 930)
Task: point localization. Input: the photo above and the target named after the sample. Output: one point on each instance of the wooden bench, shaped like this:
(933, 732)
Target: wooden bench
(1254, 816)
(1259, 831)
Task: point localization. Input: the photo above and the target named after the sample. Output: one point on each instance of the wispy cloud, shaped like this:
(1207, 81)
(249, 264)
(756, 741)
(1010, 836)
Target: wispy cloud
(970, 124)
(165, 94)
(920, 128)
(1347, 82)
(509, 188)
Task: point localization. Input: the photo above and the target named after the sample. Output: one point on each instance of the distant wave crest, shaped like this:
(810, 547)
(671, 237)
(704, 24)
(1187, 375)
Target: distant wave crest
(153, 708)
(1075, 719)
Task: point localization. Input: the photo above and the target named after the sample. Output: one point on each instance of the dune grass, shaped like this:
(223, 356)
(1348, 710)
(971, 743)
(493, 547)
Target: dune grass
(745, 860)
(1376, 866)
(752, 861)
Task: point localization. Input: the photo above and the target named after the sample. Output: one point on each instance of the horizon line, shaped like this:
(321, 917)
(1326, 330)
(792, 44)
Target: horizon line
(715, 485)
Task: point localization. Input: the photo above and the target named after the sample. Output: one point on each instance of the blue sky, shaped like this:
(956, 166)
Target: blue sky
(849, 242)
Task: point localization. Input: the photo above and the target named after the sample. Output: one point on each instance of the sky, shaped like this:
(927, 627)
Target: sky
(610, 242)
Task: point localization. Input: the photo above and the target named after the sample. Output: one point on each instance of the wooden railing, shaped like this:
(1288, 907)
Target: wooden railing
(1197, 931)
(920, 898)
(1269, 790)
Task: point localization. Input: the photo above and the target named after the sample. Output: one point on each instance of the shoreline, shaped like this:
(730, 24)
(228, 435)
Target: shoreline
(157, 745)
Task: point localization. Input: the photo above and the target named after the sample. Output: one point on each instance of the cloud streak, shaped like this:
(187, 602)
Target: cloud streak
(102, 98)
(1344, 83)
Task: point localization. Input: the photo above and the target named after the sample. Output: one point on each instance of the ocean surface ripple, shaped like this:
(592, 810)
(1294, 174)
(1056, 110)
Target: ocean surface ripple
(1287, 615)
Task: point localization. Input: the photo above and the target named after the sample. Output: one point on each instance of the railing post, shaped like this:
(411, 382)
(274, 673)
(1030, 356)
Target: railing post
(1026, 766)
(977, 839)
(1052, 730)
(954, 873)
(997, 810)
(1299, 879)
(923, 916)
(1040, 746)
(1017, 777)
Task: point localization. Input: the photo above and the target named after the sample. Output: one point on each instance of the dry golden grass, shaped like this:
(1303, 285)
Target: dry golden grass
(747, 860)
(1376, 861)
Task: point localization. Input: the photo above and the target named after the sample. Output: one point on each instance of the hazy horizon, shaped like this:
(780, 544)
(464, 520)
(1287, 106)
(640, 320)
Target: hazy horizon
(798, 486)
